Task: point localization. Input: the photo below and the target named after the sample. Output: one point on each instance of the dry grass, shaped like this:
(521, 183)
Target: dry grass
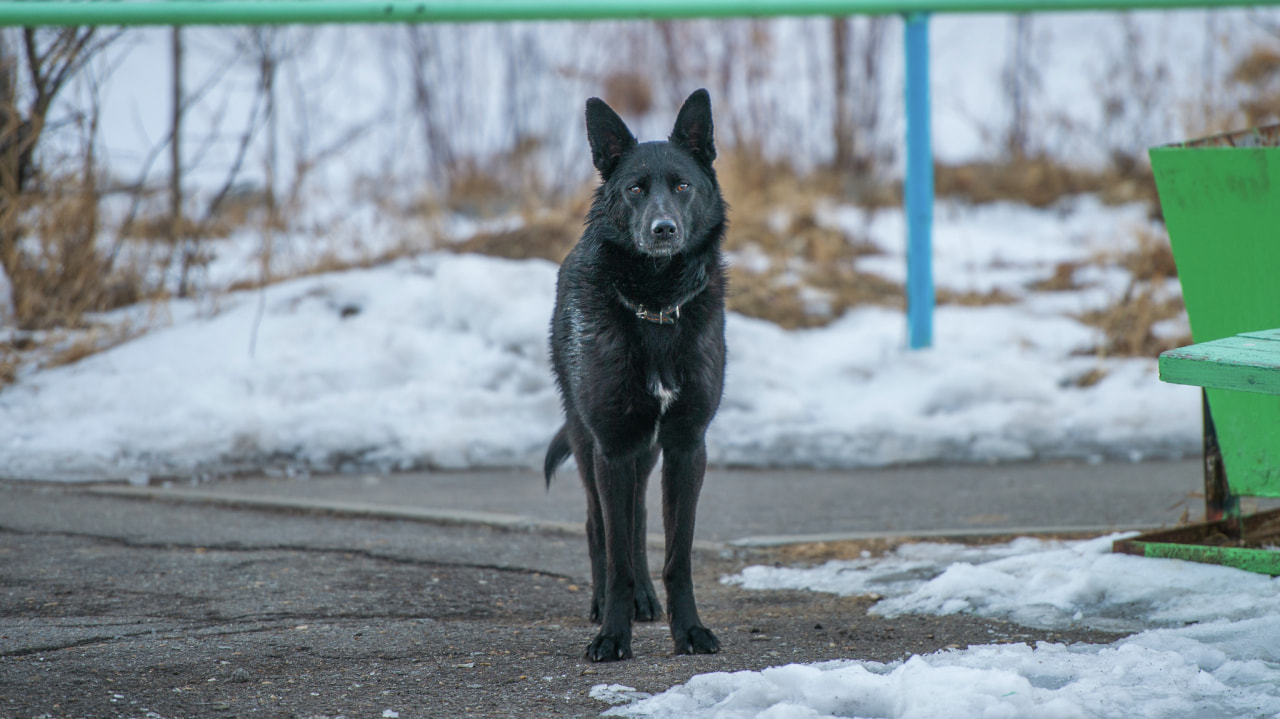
(1259, 73)
(1261, 65)
(824, 295)
(548, 235)
(1152, 259)
(997, 296)
(325, 263)
(237, 210)
(61, 347)
(62, 273)
(1128, 323)
(1040, 182)
(10, 361)
(98, 338)
(810, 277)
(1063, 279)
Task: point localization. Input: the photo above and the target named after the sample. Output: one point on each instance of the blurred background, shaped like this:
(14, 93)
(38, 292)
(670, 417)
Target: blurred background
(143, 167)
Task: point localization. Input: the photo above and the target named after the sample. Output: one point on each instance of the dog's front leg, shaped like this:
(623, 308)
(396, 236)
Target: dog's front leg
(683, 466)
(616, 487)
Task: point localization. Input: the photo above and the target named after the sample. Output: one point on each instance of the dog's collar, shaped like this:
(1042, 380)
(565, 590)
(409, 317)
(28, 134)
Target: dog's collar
(665, 316)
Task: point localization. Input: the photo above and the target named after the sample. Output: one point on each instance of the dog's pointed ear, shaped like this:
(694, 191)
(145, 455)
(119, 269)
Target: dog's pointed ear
(609, 137)
(693, 130)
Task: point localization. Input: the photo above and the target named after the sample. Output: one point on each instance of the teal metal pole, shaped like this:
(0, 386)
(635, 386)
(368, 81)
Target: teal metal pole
(918, 184)
(283, 12)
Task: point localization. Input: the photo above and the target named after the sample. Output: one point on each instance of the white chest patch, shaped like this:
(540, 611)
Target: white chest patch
(666, 395)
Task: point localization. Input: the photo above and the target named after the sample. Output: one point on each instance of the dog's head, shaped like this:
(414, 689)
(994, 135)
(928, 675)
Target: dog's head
(663, 197)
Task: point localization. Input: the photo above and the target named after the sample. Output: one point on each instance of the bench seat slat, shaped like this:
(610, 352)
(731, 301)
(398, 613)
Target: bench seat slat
(1249, 363)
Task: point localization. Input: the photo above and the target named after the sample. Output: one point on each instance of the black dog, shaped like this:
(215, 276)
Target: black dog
(637, 341)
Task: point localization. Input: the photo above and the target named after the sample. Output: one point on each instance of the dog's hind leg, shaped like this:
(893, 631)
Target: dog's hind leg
(615, 481)
(683, 467)
(648, 607)
(584, 455)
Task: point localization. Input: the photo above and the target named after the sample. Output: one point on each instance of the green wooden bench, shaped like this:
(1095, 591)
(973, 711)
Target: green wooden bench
(1220, 197)
(1247, 362)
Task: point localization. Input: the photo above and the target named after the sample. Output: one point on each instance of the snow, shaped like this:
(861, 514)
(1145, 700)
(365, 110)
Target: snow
(616, 693)
(439, 361)
(1205, 643)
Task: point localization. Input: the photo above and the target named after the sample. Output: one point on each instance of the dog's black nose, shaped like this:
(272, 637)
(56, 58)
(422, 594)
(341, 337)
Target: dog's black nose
(663, 229)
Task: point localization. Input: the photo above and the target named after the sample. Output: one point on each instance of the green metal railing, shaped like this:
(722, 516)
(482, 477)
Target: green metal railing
(276, 12)
(918, 182)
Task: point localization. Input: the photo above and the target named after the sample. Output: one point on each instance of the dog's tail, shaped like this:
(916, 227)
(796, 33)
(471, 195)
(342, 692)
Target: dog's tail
(557, 452)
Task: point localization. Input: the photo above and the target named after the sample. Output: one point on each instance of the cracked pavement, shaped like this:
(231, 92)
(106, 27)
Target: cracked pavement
(117, 606)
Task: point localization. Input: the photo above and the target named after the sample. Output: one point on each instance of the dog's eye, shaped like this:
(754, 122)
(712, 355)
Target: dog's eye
(635, 189)
(682, 187)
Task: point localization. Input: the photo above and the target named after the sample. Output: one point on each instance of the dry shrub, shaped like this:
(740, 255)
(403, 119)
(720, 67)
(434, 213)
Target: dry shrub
(548, 236)
(1063, 279)
(245, 208)
(776, 296)
(477, 192)
(326, 262)
(1152, 259)
(811, 277)
(47, 349)
(9, 363)
(60, 273)
(1259, 73)
(493, 186)
(1259, 66)
(752, 181)
(996, 296)
(1127, 323)
(1090, 378)
(90, 342)
(1041, 181)
(628, 93)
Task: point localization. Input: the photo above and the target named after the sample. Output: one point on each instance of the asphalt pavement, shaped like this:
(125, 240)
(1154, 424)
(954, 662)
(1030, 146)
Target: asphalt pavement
(452, 594)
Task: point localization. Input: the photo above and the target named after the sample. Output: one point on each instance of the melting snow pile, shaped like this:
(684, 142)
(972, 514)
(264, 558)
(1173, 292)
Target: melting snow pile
(1208, 641)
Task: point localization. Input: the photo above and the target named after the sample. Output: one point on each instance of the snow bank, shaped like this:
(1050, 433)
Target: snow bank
(1214, 650)
(441, 361)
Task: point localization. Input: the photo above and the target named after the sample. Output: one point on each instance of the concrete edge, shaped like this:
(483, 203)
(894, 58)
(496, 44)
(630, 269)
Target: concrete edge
(340, 508)
(521, 523)
(367, 510)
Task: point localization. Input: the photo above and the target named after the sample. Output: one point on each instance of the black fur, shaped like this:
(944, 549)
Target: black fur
(637, 342)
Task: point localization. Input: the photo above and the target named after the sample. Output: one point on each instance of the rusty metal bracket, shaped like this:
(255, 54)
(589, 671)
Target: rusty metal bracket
(1243, 543)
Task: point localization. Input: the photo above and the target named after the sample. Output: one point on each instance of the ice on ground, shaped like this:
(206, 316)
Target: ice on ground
(1208, 641)
(616, 693)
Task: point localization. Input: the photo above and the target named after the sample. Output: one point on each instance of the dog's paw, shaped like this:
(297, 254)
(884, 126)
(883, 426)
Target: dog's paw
(595, 611)
(697, 640)
(608, 648)
(648, 608)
